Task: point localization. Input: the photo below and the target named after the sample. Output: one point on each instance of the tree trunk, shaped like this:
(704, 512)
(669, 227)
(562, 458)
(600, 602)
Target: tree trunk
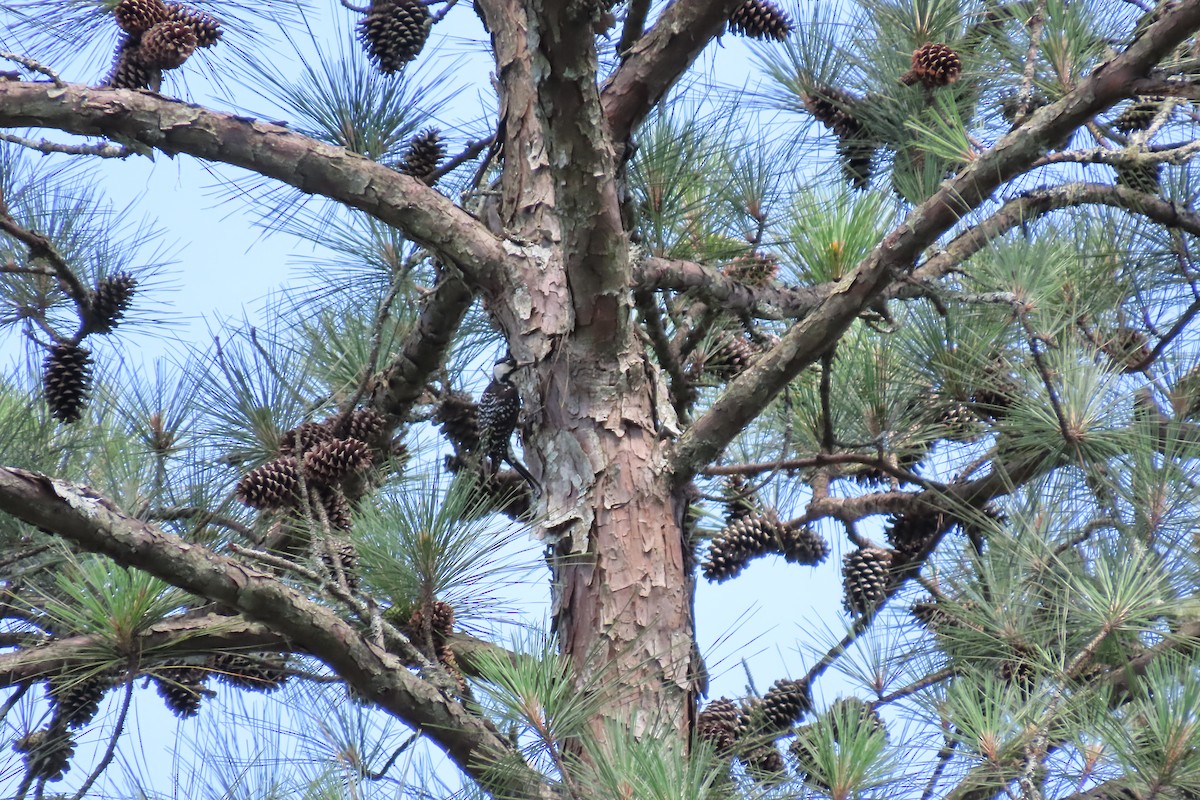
(623, 589)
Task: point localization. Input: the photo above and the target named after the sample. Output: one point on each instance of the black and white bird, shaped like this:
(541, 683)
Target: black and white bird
(499, 410)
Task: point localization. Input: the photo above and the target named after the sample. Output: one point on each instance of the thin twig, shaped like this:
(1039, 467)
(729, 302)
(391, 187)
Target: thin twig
(100, 149)
(111, 750)
(924, 683)
(1036, 25)
(36, 66)
(826, 406)
(14, 698)
(469, 153)
(943, 759)
(1035, 349)
(384, 314)
(383, 771)
(354, 8)
(203, 517)
(1176, 329)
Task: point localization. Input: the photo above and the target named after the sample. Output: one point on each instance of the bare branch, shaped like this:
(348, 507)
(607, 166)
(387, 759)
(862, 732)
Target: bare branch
(101, 149)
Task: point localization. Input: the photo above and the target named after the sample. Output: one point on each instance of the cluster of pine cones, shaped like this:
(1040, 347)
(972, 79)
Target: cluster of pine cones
(933, 65)
(67, 368)
(158, 36)
(326, 463)
(75, 701)
(747, 730)
(432, 624)
(752, 532)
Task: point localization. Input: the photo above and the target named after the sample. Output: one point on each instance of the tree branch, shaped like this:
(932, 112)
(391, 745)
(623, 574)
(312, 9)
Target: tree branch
(403, 379)
(425, 215)
(747, 395)
(659, 59)
(94, 524)
(186, 634)
(717, 289)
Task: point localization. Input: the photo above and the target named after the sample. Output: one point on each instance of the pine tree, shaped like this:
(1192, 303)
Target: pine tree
(907, 325)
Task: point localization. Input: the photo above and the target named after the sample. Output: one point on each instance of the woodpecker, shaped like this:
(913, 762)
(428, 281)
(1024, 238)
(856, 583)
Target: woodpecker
(499, 408)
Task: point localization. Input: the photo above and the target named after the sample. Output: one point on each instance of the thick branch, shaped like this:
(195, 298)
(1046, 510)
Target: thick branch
(767, 302)
(80, 516)
(424, 349)
(1039, 202)
(425, 216)
(654, 64)
(746, 396)
(583, 162)
(189, 634)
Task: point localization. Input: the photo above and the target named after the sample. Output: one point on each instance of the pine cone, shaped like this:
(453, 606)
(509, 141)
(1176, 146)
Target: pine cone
(446, 657)
(764, 764)
(303, 437)
(852, 708)
(347, 559)
(739, 500)
(760, 19)
(459, 416)
(67, 380)
(865, 579)
(754, 269)
(366, 425)
(336, 507)
(441, 620)
(1139, 176)
(784, 704)
(182, 689)
(206, 27)
(423, 154)
(856, 155)
(804, 749)
(1138, 115)
(109, 301)
(394, 32)
(167, 45)
(718, 724)
(732, 548)
(135, 17)
(258, 672)
(834, 108)
(75, 699)
(46, 753)
(331, 461)
(128, 72)
(908, 534)
(933, 64)
(274, 485)
(803, 545)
